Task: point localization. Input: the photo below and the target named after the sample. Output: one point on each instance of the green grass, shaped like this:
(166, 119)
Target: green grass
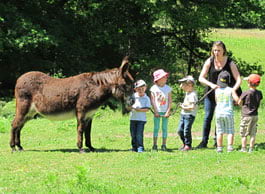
(248, 45)
(51, 162)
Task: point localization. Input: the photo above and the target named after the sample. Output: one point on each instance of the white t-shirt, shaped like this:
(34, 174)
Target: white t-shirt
(190, 98)
(161, 97)
(140, 102)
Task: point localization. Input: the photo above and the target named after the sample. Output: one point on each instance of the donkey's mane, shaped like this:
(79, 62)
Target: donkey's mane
(105, 77)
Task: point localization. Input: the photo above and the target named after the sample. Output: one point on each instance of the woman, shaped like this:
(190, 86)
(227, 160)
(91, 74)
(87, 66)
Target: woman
(218, 62)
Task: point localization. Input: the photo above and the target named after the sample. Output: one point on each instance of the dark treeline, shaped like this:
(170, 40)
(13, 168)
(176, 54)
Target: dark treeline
(67, 37)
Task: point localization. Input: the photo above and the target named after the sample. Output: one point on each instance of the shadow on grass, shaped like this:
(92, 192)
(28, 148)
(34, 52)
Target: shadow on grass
(77, 150)
(260, 146)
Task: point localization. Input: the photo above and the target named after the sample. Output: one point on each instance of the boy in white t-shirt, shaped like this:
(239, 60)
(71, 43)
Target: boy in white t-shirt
(189, 109)
(138, 115)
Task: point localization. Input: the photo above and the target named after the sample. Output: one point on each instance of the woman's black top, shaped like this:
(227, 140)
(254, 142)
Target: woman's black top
(213, 75)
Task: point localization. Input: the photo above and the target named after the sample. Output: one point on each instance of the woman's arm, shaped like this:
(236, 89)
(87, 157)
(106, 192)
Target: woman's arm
(235, 97)
(236, 75)
(203, 74)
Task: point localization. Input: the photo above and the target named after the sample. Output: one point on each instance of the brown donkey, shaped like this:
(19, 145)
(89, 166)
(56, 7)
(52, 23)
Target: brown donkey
(78, 96)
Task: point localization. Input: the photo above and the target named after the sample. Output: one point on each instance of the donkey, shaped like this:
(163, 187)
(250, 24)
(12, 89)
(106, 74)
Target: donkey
(78, 96)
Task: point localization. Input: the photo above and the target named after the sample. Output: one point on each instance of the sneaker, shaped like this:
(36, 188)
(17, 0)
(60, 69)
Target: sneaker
(140, 149)
(230, 149)
(243, 150)
(186, 148)
(164, 148)
(219, 149)
(154, 148)
(250, 150)
(180, 149)
(201, 145)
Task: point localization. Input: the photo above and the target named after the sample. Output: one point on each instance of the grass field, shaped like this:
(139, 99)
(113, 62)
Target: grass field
(51, 162)
(246, 44)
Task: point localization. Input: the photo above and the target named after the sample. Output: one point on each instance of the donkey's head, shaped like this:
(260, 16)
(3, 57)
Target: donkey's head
(124, 86)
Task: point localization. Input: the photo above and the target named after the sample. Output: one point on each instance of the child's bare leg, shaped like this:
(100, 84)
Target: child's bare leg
(252, 141)
(154, 140)
(219, 140)
(244, 142)
(164, 142)
(230, 139)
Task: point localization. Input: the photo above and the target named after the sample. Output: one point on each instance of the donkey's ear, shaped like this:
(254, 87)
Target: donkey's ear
(124, 65)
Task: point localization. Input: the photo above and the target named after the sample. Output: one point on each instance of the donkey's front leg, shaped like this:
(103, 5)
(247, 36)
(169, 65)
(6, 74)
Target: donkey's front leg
(88, 135)
(80, 130)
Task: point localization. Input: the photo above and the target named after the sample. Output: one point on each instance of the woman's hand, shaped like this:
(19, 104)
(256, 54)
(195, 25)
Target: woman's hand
(213, 86)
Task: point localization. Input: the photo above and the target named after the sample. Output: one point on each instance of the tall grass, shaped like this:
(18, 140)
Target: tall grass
(51, 162)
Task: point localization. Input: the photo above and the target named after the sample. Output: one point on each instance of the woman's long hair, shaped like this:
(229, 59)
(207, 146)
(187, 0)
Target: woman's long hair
(219, 43)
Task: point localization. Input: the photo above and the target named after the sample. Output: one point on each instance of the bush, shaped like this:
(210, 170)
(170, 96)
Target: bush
(8, 110)
(4, 125)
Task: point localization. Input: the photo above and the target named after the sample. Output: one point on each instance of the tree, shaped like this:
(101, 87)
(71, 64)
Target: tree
(243, 14)
(67, 37)
(72, 36)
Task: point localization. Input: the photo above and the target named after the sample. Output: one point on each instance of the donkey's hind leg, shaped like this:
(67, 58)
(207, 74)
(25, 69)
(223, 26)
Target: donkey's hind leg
(80, 131)
(88, 135)
(22, 109)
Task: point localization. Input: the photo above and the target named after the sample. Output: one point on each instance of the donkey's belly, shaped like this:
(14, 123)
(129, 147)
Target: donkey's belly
(59, 116)
(63, 115)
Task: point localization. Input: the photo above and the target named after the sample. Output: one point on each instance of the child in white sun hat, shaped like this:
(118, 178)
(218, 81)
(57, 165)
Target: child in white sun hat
(161, 101)
(138, 115)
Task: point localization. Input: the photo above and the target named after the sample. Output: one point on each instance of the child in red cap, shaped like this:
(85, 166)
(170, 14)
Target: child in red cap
(250, 101)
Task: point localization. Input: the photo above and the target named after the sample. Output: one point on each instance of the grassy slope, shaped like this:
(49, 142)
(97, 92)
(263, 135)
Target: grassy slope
(248, 45)
(51, 163)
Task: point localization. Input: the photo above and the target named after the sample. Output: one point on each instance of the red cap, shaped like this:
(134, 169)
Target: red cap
(254, 79)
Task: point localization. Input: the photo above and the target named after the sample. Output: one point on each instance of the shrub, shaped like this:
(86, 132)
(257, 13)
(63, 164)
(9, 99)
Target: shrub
(4, 125)
(8, 110)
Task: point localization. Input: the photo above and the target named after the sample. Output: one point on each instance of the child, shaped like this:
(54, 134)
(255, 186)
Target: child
(250, 101)
(224, 111)
(161, 102)
(138, 115)
(188, 112)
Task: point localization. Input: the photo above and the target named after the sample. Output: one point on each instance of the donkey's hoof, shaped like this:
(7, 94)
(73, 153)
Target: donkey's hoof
(82, 151)
(13, 150)
(20, 148)
(91, 149)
